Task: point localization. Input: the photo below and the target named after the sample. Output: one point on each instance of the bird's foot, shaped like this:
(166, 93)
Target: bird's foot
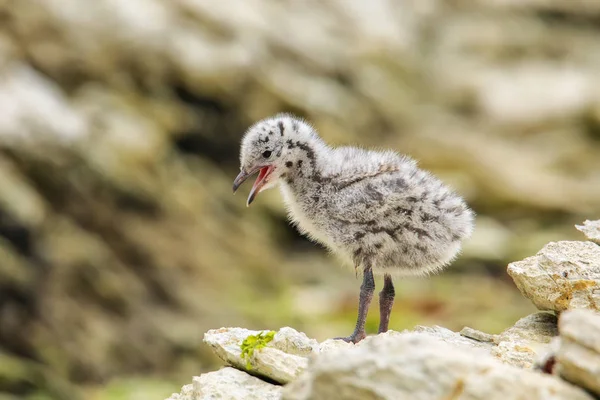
(354, 338)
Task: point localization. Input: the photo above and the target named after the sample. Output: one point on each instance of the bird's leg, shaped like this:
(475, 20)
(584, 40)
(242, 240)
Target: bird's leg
(366, 295)
(386, 301)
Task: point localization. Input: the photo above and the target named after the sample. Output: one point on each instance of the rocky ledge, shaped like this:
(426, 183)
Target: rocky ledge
(552, 354)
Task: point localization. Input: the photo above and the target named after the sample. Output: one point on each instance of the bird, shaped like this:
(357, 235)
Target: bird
(375, 209)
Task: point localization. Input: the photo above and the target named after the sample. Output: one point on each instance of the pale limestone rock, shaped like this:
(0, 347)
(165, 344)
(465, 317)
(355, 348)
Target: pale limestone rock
(578, 355)
(438, 332)
(269, 362)
(332, 345)
(525, 342)
(591, 229)
(419, 366)
(546, 361)
(453, 338)
(390, 365)
(477, 335)
(187, 393)
(563, 275)
(277, 365)
(228, 383)
(291, 341)
(225, 342)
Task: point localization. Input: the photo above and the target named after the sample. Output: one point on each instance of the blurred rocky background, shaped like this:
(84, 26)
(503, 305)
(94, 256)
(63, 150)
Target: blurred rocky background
(120, 241)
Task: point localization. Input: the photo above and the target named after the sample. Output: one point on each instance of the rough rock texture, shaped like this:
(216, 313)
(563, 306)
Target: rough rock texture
(591, 229)
(522, 344)
(291, 341)
(561, 276)
(332, 344)
(427, 362)
(187, 392)
(279, 365)
(421, 367)
(578, 355)
(446, 335)
(477, 335)
(540, 357)
(230, 384)
(546, 361)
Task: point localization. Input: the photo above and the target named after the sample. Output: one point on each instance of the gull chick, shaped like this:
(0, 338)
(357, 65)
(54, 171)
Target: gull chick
(375, 208)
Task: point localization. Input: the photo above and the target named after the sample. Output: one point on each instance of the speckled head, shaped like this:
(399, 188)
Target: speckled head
(264, 150)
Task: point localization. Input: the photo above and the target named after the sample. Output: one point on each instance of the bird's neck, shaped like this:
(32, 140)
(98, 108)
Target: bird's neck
(307, 168)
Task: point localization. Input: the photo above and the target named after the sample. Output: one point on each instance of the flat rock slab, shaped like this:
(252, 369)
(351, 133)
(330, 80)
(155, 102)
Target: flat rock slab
(228, 383)
(419, 366)
(453, 338)
(478, 335)
(591, 230)
(562, 276)
(524, 343)
(271, 361)
(578, 356)
(441, 333)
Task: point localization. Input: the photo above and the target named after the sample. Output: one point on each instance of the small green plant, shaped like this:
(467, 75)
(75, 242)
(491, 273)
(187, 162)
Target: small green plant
(254, 342)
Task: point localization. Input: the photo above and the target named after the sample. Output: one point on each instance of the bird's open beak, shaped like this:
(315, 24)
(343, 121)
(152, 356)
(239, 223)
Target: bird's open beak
(241, 178)
(261, 180)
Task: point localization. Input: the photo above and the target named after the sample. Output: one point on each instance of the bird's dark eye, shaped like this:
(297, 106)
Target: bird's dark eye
(266, 153)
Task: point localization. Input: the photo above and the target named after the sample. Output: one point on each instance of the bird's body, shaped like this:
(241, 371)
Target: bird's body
(377, 209)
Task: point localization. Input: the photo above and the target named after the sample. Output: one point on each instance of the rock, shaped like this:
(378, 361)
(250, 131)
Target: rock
(522, 344)
(546, 362)
(438, 332)
(477, 335)
(187, 393)
(291, 341)
(419, 366)
(591, 229)
(269, 362)
(561, 276)
(287, 354)
(332, 345)
(277, 365)
(453, 338)
(578, 355)
(230, 384)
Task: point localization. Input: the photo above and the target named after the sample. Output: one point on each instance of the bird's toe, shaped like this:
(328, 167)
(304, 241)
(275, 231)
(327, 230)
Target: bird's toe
(354, 338)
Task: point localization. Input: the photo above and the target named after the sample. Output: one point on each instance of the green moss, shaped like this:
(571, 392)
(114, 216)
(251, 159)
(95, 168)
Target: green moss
(254, 342)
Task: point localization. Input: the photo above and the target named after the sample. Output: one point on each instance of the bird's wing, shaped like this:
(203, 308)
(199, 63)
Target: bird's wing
(360, 198)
